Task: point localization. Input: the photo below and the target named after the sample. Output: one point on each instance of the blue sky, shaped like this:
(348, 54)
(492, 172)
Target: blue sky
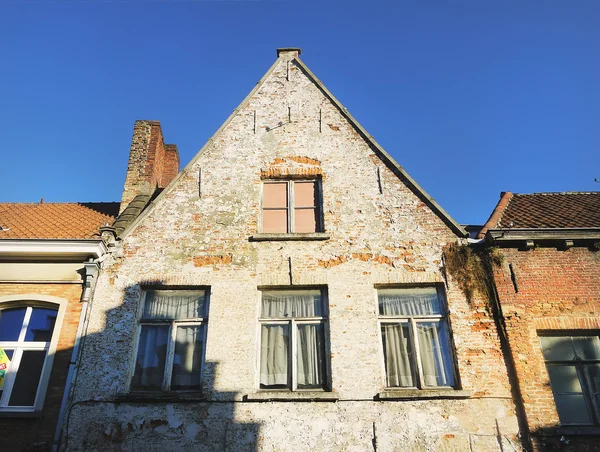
(471, 97)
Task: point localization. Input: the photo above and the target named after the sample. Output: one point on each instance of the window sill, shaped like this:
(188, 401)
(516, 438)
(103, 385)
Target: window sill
(289, 237)
(164, 397)
(288, 396)
(413, 394)
(20, 414)
(578, 431)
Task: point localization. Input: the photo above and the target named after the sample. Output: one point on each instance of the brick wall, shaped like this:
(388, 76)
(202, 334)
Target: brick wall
(557, 291)
(20, 433)
(199, 233)
(152, 163)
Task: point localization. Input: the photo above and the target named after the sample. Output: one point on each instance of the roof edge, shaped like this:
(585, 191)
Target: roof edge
(208, 143)
(387, 158)
(497, 213)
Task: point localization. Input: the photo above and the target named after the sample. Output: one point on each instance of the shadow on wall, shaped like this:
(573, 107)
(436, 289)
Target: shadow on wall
(566, 438)
(198, 419)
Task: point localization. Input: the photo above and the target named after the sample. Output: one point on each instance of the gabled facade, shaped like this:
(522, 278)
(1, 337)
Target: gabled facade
(286, 291)
(49, 256)
(549, 299)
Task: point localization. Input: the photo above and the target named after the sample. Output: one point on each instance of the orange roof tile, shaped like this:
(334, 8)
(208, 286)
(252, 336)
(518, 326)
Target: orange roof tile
(55, 220)
(546, 210)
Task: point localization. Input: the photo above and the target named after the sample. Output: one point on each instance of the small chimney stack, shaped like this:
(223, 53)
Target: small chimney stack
(291, 52)
(152, 163)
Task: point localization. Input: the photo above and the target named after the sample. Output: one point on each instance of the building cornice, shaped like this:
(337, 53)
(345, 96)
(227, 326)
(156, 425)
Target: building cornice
(529, 236)
(51, 248)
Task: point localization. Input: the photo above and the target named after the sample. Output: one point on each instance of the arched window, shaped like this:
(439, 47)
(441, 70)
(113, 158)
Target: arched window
(28, 336)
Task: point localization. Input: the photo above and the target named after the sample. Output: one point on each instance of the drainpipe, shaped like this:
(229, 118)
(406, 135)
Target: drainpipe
(91, 268)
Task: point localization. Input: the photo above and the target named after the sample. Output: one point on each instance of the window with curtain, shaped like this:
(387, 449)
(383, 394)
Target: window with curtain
(292, 340)
(25, 336)
(573, 364)
(415, 338)
(171, 336)
(291, 206)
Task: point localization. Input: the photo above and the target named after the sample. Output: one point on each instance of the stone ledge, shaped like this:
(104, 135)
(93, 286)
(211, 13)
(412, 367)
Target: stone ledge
(289, 237)
(412, 394)
(166, 397)
(288, 396)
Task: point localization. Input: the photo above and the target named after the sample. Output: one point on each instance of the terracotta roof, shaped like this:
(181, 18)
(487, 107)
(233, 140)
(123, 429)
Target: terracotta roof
(55, 220)
(546, 210)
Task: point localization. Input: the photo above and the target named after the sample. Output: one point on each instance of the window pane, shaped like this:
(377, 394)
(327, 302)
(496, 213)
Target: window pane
(282, 304)
(409, 302)
(274, 221)
(557, 348)
(188, 357)
(398, 355)
(174, 305)
(436, 359)
(305, 194)
(28, 378)
(41, 325)
(594, 373)
(151, 356)
(275, 195)
(572, 409)
(310, 362)
(305, 220)
(5, 358)
(11, 321)
(274, 345)
(564, 379)
(587, 347)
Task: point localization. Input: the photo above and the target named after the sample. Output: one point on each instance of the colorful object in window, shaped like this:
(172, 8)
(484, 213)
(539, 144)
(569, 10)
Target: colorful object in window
(4, 362)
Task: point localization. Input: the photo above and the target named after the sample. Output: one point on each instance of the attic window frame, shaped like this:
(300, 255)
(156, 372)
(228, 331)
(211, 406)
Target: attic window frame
(290, 204)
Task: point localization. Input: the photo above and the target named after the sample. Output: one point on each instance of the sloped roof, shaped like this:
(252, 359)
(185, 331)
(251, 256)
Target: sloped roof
(55, 220)
(546, 210)
(382, 154)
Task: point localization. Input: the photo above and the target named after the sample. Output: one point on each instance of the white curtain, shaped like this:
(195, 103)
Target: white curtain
(173, 305)
(435, 354)
(409, 302)
(398, 355)
(275, 339)
(283, 304)
(309, 363)
(274, 355)
(151, 357)
(188, 356)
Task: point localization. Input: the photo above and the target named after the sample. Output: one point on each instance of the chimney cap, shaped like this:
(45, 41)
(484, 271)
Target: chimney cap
(284, 50)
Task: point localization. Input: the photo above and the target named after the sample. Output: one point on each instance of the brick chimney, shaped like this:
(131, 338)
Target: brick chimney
(152, 163)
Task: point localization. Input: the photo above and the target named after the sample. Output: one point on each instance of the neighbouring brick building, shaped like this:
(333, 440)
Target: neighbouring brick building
(548, 288)
(285, 291)
(48, 266)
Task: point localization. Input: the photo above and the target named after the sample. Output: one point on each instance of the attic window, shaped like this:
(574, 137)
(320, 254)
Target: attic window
(291, 206)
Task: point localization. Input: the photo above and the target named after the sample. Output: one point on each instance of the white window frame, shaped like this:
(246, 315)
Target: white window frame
(291, 209)
(293, 356)
(580, 366)
(412, 322)
(31, 301)
(173, 325)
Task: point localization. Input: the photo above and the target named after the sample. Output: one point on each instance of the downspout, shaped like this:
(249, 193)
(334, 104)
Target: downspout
(90, 277)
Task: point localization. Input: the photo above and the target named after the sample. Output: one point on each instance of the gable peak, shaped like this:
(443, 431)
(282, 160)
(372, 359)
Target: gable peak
(291, 52)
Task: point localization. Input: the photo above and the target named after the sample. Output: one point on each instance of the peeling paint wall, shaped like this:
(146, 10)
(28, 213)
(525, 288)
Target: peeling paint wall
(198, 233)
